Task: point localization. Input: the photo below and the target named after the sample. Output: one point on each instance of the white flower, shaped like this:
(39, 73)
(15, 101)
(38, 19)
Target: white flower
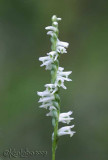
(59, 19)
(60, 82)
(50, 33)
(61, 50)
(44, 93)
(51, 108)
(61, 77)
(54, 18)
(60, 69)
(47, 99)
(55, 23)
(65, 131)
(45, 105)
(47, 61)
(52, 28)
(62, 44)
(44, 58)
(50, 113)
(65, 117)
(52, 87)
(64, 75)
(53, 54)
(48, 65)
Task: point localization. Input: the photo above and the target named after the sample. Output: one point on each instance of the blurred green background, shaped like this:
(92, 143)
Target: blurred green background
(23, 40)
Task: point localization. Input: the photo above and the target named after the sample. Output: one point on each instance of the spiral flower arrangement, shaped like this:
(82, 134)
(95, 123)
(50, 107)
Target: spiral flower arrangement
(50, 98)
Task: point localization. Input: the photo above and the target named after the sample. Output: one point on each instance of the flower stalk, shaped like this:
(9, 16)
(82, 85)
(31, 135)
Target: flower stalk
(53, 79)
(50, 98)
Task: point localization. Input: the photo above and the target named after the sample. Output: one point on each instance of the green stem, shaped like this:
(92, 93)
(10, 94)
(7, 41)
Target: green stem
(54, 140)
(53, 79)
(54, 144)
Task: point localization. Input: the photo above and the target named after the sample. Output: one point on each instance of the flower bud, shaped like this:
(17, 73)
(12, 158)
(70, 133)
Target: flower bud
(54, 18)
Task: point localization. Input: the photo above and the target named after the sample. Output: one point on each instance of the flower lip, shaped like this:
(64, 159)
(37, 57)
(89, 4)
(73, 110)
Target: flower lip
(52, 28)
(44, 93)
(66, 114)
(46, 105)
(63, 44)
(46, 58)
(66, 130)
(59, 19)
(61, 49)
(50, 33)
(46, 99)
(55, 23)
(65, 117)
